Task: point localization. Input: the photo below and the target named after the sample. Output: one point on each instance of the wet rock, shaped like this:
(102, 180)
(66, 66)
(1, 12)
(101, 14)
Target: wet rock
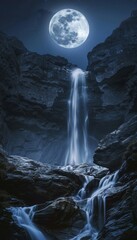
(62, 218)
(88, 170)
(8, 229)
(92, 186)
(120, 220)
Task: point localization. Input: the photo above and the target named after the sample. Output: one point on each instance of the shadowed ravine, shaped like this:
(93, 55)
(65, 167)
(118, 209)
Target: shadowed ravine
(78, 153)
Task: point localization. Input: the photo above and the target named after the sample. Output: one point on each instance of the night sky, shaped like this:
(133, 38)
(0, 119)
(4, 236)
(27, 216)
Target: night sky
(28, 20)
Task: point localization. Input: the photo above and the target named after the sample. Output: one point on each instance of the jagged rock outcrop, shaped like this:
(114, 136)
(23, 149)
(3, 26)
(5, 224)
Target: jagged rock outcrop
(34, 91)
(34, 183)
(113, 79)
(111, 148)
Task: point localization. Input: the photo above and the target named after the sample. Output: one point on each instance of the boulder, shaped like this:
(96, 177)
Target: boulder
(110, 150)
(34, 183)
(92, 186)
(62, 218)
(88, 170)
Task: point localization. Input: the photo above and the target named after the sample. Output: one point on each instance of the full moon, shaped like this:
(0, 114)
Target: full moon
(69, 28)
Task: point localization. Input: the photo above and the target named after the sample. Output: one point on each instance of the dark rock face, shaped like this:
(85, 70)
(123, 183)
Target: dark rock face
(121, 220)
(113, 79)
(113, 66)
(131, 157)
(110, 150)
(34, 90)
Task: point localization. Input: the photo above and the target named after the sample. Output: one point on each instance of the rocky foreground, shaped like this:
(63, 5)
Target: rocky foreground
(24, 182)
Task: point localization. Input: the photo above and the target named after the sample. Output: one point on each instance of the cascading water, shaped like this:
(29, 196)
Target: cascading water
(94, 206)
(23, 217)
(77, 123)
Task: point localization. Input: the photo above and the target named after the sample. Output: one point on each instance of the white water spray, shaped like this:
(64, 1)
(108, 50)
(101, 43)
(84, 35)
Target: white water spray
(77, 123)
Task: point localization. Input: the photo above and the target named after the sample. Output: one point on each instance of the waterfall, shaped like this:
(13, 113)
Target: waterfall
(77, 122)
(94, 206)
(23, 217)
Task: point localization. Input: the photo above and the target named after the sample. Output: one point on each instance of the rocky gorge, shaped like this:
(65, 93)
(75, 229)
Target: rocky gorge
(34, 92)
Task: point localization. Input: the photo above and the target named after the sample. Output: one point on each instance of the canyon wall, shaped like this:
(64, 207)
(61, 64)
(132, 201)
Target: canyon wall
(113, 79)
(34, 91)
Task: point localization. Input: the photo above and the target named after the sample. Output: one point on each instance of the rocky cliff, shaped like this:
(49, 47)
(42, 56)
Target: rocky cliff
(34, 91)
(111, 148)
(113, 79)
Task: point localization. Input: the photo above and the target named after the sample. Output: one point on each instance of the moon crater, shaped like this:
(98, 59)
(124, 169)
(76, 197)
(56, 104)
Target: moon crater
(69, 28)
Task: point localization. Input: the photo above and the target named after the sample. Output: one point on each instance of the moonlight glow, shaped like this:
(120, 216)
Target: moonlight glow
(69, 28)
